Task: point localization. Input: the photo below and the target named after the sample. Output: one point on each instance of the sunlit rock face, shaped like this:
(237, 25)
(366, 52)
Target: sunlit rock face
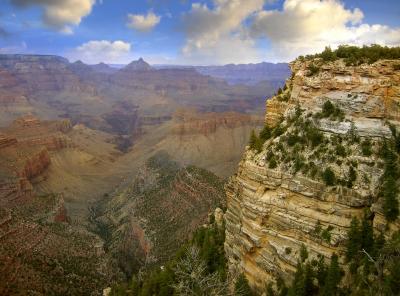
(272, 209)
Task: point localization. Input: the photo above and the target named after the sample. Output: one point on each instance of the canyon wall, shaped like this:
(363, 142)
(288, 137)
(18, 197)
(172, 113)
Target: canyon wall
(335, 119)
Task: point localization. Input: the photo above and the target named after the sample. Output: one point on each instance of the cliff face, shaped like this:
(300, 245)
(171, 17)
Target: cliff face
(24, 154)
(331, 118)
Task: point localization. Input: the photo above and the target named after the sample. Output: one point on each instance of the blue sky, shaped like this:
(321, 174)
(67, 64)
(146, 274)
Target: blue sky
(193, 32)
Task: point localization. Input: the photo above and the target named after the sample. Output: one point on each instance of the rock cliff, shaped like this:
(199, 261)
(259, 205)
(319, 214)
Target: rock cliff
(321, 163)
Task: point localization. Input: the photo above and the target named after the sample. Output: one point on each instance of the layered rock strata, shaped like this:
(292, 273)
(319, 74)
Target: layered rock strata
(278, 201)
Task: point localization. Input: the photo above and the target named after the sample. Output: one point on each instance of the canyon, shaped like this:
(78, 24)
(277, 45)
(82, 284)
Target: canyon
(91, 154)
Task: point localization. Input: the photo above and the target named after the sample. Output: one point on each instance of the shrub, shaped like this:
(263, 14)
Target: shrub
(272, 163)
(352, 177)
(312, 70)
(354, 55)
(366, 148)
(327, 109)
(314, 135)
(330, 111)
(340, 150)
(265, 133)
(329, 177)
(278, 130)
(328, 55)
(298, 163)
(326, 234)
(292, 139)
(318, 228)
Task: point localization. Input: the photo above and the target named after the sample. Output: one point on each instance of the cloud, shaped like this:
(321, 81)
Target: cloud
(143, 23)
(307, 26)
(61, 14)
(218, 35)
(97, 51)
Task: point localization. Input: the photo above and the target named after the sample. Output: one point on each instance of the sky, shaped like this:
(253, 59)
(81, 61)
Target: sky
(200, 32)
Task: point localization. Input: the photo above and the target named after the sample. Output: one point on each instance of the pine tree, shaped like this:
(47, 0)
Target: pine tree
(367, 235)
(297, 287)
(303, 253)
(390, 202)
(321, 271)
(265, 133)
(308, 282)
(334, 275)
(353, 240)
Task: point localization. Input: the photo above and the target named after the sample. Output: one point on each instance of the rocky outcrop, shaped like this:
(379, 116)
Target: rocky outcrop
(278, 200)
(365, 92)
(25, 155)
(35, 165)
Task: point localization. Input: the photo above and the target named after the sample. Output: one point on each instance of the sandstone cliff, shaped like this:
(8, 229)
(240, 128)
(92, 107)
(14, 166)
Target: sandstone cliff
(321, 164)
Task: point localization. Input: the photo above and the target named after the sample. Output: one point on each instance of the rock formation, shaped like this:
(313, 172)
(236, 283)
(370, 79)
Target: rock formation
(190, 122)
(321, 164)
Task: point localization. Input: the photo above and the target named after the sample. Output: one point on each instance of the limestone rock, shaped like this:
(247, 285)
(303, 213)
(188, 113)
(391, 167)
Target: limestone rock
(272, 212)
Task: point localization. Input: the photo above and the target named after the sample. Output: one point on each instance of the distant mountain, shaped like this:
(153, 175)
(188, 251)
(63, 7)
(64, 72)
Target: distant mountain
(248, 74)
(103, 68)
(139, 65)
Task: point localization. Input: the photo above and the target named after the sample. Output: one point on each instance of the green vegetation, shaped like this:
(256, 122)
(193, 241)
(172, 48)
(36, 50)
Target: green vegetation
(198, 268)
(313, 69)
(374, 267)
(329, 177)
(366, 147)
(390, 190)
(352, 177)
(312, 277)
(374, 263)
(330, 111)
(354, 56)
(255, 142)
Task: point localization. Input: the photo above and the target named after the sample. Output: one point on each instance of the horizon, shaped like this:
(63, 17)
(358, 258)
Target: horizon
(136, 60)
(206, 32)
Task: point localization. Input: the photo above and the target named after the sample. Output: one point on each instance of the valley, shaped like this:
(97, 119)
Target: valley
(119, 158)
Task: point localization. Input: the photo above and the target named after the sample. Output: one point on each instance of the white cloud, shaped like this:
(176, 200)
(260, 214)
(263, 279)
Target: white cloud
(307, 26)
(61, 14)
(97, 51)
(143, 23)
(217, 35)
